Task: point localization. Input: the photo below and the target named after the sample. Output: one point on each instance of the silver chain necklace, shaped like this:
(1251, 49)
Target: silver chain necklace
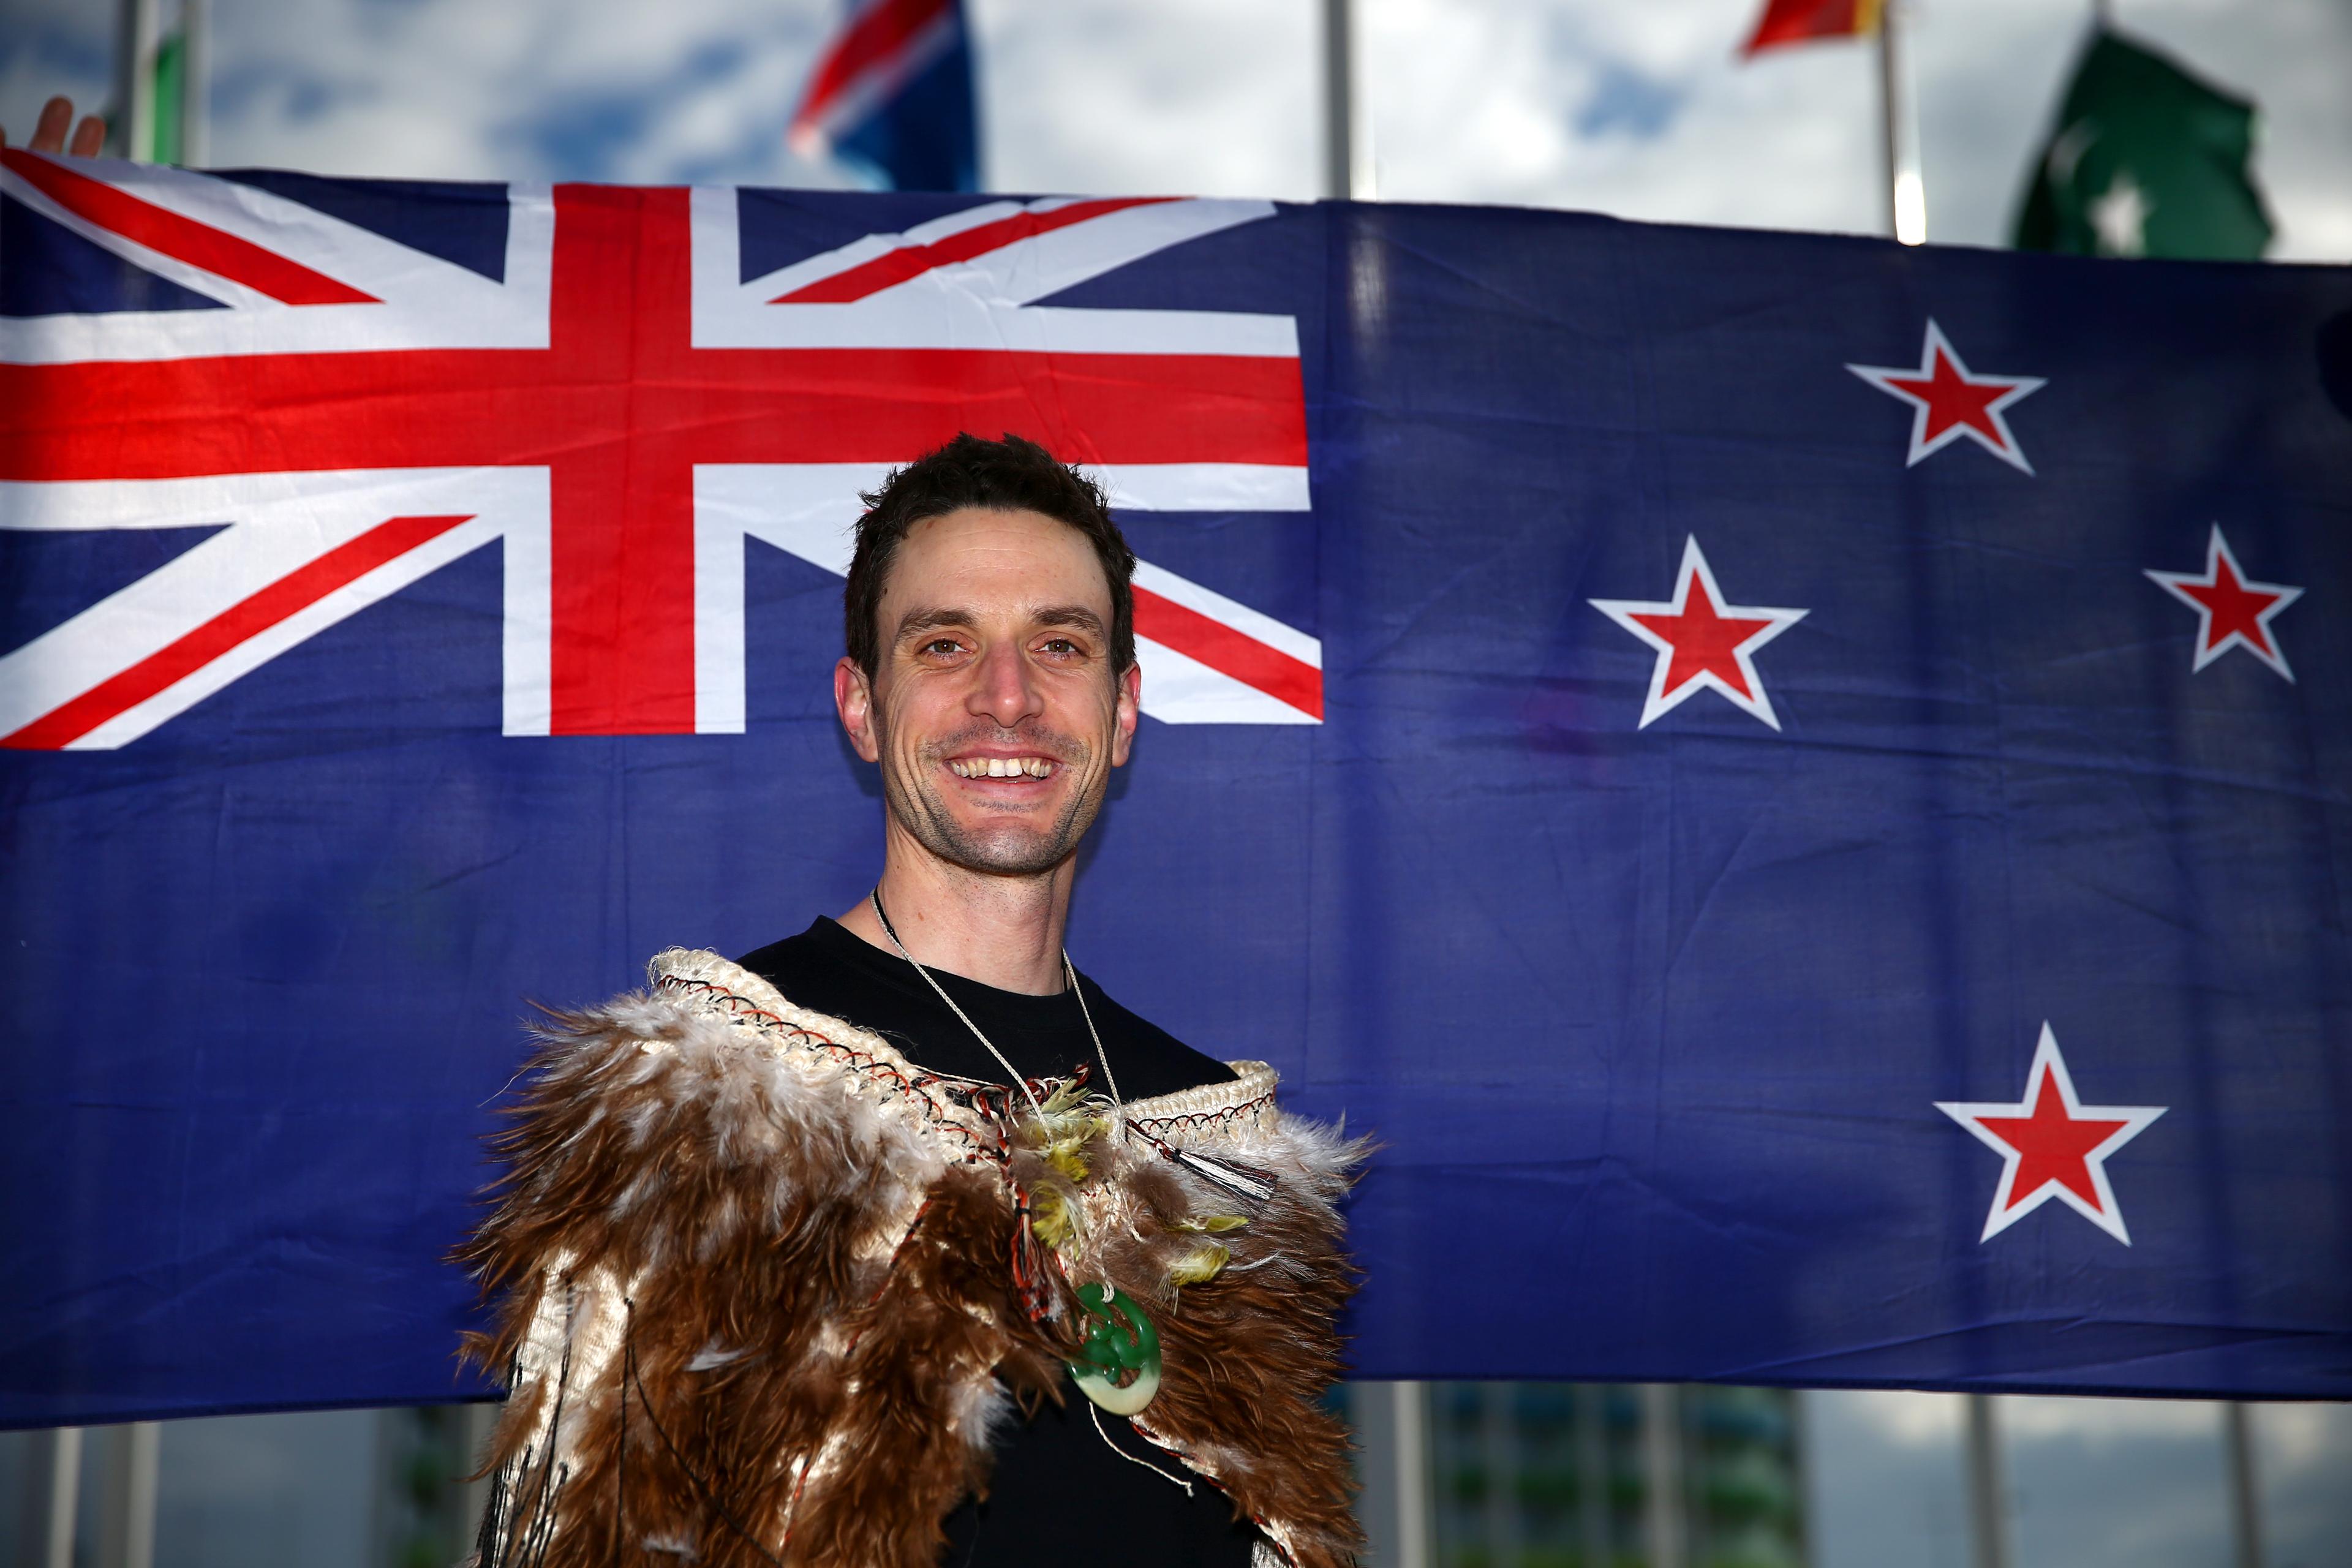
(1069, 973)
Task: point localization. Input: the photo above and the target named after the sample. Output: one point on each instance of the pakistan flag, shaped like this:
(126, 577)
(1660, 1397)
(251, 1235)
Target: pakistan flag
(2146, 160)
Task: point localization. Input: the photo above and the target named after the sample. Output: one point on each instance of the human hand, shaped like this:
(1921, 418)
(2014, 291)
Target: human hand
(56, 118)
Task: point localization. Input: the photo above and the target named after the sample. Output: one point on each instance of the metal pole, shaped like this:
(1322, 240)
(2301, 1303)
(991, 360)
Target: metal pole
(2245, 1493)
(131, 130)
(195, 73)
(1499, 1451)
(1592, 1473)
(1662, 1460)
(126, 1520)
(479, 1421)
(1988, 1521)
(1347, 127)
(1338, 108)
(52, 1498)
(1411, 1474)
(1907, 193)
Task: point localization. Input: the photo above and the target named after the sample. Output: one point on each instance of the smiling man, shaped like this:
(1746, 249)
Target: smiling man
(843, 1254)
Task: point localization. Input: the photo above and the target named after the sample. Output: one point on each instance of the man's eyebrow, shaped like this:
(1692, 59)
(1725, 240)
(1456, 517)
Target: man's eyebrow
(916, 621)
(1076, 615)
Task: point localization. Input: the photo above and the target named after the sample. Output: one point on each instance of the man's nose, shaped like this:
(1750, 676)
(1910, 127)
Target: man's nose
(1007, 688)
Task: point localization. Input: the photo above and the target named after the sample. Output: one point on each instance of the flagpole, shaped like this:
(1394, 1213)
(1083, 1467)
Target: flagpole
(1411, 1417)
(1347, 130)
(1662, 1476)
(1987, 1515)
(133, 120)
(2245, 1493)
(56, 1495)
(1906, 195)
(1338, 150)
(195, 67)
(126, 1515)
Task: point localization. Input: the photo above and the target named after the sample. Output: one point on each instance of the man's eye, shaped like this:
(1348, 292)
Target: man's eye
(941, 647)
(1061, 647)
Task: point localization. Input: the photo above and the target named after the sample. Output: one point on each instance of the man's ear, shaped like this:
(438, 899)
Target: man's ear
(853, 699)
(1131, 703)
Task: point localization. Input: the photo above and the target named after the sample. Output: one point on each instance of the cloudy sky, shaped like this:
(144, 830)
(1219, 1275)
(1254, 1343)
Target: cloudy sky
(1637, 107)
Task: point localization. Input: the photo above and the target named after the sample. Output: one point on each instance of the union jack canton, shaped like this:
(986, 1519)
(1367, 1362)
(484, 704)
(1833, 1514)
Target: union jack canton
(620, 409)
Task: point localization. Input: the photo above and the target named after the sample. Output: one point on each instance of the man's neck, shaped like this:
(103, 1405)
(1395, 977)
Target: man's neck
(1004, 932)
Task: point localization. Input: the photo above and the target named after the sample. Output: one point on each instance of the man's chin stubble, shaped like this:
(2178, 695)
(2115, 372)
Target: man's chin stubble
(926, 817)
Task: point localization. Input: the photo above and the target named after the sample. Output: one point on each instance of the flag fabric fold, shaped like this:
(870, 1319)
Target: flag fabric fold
(1797, 785)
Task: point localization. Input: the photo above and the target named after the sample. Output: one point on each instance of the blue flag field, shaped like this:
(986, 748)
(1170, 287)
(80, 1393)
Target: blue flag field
(1802, 788)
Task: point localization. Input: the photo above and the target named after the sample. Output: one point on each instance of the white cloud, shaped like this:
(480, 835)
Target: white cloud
(449, 89)
(1207, 98)
(1641, 111)
(1482, 99)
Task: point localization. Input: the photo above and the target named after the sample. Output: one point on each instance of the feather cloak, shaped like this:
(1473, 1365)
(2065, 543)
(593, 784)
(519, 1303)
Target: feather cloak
(760, 1285)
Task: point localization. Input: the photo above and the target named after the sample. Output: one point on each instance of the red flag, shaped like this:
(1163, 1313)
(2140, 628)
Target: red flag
(1794, 21)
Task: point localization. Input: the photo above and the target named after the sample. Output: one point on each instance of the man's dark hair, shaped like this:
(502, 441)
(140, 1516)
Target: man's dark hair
(1011, 474)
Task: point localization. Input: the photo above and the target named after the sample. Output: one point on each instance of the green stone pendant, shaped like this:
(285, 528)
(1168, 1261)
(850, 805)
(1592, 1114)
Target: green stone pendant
(1118, 1362)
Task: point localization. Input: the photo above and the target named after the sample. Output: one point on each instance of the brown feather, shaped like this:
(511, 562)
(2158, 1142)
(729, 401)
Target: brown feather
(753, 1287)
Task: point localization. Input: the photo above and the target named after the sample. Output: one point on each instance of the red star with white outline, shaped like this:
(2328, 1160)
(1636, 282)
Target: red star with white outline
(1703, 643)
(1949, 402)
(2233, 610)
(2052, 1145)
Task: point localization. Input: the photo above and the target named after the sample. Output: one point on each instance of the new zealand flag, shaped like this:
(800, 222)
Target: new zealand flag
(1802, 788)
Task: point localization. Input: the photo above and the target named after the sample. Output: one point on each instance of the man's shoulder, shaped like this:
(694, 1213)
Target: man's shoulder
(1146, 1059)
(785, 956)
(826, 969)
(824, 954)
(1114, 1017)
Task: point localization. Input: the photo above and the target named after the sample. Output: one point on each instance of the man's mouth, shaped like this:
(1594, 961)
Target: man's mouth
(1002, 767)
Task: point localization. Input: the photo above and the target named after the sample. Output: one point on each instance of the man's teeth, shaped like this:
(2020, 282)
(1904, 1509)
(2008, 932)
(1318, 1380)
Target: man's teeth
(999, 767)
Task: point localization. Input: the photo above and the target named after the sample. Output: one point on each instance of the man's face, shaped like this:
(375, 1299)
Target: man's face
(993, 710)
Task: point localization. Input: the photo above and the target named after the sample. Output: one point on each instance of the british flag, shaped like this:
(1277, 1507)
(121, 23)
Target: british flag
(894, 92)
(619, 410)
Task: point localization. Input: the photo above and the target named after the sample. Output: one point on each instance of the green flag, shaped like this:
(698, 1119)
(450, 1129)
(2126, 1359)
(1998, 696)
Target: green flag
(156, 113)
(2147, 161)
(171, 79)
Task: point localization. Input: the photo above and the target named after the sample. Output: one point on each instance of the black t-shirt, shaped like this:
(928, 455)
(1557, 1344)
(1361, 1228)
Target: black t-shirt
(1059, 1495)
